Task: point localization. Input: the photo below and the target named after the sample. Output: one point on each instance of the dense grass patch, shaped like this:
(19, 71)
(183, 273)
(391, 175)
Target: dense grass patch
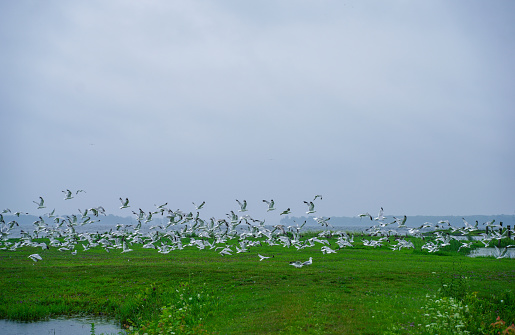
(359, 290)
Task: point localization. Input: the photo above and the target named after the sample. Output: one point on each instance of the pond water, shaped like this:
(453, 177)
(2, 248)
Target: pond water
(491, 252)
(60, 326)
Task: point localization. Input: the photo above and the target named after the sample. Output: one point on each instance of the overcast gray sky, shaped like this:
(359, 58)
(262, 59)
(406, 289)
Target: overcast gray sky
(408, 105)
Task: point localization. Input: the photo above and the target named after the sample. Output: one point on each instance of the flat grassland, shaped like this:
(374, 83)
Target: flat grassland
(358, 290)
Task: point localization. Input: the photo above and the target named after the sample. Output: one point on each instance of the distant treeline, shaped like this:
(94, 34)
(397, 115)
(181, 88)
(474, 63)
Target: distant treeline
(107, 220)
(412, 221)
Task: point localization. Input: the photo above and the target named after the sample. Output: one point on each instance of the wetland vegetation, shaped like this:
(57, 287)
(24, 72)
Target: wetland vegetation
(358, 290)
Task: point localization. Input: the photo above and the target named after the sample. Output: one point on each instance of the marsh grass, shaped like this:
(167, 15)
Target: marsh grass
(359, 290)
(455, 309)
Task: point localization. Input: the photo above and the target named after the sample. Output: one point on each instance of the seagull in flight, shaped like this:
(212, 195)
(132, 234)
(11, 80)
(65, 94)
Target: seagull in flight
(326, 250)
(125, 203)
(287, 211)
(380, 216)
(490, 224)
(35, 257)
(261, 257)
(500, 253)
(161, 206)
(41, 203)
(311, 207)
(68, 195)
(243, 206)
(465, 245)
(322, 221)
(365, 215)
(317, 196)
(51, 214)
(299, 264)
(199, 206)
(125, 248)
(401, 222)
(270, 205)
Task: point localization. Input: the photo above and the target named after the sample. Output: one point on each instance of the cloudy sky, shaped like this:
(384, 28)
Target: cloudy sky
(406, 105)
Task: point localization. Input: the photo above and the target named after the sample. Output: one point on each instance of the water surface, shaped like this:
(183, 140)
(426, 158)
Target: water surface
(491, 252)
(60, 326)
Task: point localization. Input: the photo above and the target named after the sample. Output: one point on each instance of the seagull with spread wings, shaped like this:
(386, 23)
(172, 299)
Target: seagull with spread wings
(41, 203)
(68, 194)
(270, 205)
(243, 206)
(311, 207)
(125, 203)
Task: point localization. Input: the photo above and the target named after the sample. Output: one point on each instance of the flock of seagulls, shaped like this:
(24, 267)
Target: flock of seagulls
(236, 233)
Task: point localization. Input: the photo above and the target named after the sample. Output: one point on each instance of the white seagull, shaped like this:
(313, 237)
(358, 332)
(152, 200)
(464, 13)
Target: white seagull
(199, 206)
(35, 257)
(51, 214)
(309, 261)
(365, 215)
(380, 216)
(287, 211)
(322, 221)
(401, 223)
(311, 207)
(125, 248)
(125, 203)
(326, 250)
(243, 206)
(465, 245)
(501, 253)
(41, 203)
(299, 264)
(270, 205)
(68, 194)
(261, 257)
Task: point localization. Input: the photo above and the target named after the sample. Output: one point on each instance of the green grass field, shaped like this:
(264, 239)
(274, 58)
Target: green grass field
(359, 290)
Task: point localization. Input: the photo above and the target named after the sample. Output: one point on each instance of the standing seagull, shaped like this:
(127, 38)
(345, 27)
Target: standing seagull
(243, 206)
(125, 203)
(311, 207)
(270, 205)
(309, 261)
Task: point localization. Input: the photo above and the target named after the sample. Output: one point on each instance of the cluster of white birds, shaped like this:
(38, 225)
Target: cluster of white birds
(232, 234)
